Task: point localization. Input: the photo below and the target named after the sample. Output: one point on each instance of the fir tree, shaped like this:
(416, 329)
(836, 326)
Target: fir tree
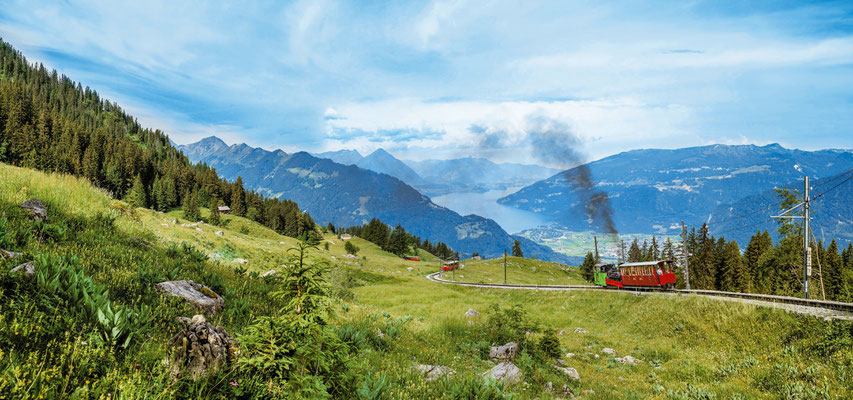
(137, 196)
(213, 219)
(190, 206)
(587, 268)
(634, 253)
(516, 249)
(238, 199)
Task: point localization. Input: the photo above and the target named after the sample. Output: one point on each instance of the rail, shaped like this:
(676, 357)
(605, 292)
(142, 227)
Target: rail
(825, 304)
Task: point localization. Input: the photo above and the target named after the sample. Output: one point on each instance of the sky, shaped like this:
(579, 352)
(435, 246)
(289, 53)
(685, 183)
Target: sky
(447, 79)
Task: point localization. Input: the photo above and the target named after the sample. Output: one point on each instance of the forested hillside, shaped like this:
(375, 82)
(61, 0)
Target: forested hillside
(49, 122)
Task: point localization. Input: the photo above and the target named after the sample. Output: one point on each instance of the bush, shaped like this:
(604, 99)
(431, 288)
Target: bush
(351, 248)
(549, 344)
(510, 324)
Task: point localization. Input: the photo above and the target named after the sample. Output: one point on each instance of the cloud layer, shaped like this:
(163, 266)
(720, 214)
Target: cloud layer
(449, 78)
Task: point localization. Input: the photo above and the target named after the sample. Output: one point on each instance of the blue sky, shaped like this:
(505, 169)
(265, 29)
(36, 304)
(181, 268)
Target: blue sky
(445, 79)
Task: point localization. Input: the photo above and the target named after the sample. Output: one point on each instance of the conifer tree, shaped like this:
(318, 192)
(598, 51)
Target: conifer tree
(587, 268)
(213, 219)
(832, 271)
(137, 196)
(516, 249)
(238, 199)
(190, 206)
(634, 253)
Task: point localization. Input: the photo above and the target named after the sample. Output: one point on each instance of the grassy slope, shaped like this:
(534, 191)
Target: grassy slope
(723, 347)
(519, 271)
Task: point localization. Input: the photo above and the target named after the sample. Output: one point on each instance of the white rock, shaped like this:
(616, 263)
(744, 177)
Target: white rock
(505, 352)
(220, 233)
(472, 313)
(581, 330)
(269, 273)
(608, 351)
(410, 269)
(570, 355)
(628, 360)
(433, 372)
(505, 372)
(571, 372)
(164, 224)
(241, 261)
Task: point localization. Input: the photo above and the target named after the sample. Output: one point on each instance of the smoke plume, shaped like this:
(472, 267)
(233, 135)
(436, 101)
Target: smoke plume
(556, 143)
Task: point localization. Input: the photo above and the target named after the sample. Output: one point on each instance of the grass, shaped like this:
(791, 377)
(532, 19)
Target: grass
(692, 347)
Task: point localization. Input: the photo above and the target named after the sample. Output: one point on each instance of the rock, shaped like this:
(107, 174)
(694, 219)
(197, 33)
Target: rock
(199, 230)
(505, 352)
(589, 392)
(9, 254)
(220, 233)
(410, 269)
(282, 243)
(570, 355)
(581, 330)
(164, 224)
(571, 372)
(36, 208)
(561, 361)
(608, 351)
(269, 273)
(351, 256)
(505, 372)
(433, 372)
(241, 261)
(195, 293)
(561, 332)
(628, 360)
(379, 333)
(472, 313)
(27, 268)
(200, 348)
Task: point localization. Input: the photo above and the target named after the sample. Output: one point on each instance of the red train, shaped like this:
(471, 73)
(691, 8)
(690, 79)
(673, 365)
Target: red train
(637, 274)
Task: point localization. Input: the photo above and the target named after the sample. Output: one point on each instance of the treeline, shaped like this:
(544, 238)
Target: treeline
(50, 123)
(396, 241)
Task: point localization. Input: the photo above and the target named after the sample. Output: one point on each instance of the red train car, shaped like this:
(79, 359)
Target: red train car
(645, 274)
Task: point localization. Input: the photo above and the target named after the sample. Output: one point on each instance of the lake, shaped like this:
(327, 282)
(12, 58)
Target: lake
(485, 204)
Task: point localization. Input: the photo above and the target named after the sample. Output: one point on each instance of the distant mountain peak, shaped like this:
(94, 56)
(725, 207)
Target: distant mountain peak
(211, 140)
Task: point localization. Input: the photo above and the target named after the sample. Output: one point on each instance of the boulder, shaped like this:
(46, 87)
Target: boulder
(27, 268)
(200, 348)
(433, 372)
(628, 360)
(505, 352)
(9, 254)
(269, 273)
(581, 330)
(608, 351)
(36, 208)
(195, 293)
(571, 372)
(570, 355)
(505, 372)
(220, 233)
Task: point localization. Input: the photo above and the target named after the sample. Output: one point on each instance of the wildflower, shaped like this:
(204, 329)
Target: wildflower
(233, 383)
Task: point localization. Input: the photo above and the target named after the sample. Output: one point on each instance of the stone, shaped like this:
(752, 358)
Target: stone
(472, 313)
(561, 332)
(351, 256)
(195, 293)
(199, 230)
(505, 372)
(628, 360)
(589, 392)
(581, 330)
(36, 208)
(200, 349)
(164, 224)
(410, 269)
(241, 261)
(433, 372)
(269, 273)
(220, 233)
(27, 268)
(571, 372)
(505, 352)
(570, 355)
(9, 254)
(608, 351)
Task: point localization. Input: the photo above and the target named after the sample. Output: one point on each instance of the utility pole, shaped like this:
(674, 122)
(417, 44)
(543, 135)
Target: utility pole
(622, 252)
(504, 265)
(684, 255)
(807, 250)
(597, 259)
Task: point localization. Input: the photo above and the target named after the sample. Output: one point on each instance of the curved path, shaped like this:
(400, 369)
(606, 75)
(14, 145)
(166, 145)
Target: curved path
(818, 308)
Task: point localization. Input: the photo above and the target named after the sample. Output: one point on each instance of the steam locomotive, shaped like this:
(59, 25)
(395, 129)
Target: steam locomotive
(644, 274)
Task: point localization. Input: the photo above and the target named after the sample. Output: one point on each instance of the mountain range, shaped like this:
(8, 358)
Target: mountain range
(348, 195)
(653, 190)
(437, 177)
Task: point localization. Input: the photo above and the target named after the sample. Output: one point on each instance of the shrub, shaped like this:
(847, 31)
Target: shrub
(549, 344)
(509, 324)
(351, 248)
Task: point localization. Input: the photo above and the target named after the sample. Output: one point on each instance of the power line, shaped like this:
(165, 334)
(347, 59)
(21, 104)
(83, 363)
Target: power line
(832, 188)
(824, 182)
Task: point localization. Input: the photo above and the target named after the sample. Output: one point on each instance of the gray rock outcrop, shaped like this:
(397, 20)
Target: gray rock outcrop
(200, 348)
(505, 352)
(36, 208)
(571, 372)
(433, 372)
(608, 351)
(505, 372)
(27, 268)
(9, 254)
(628, 360)
(195, 293)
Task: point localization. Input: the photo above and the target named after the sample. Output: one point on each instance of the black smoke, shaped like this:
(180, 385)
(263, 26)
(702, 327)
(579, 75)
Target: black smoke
(556, 143)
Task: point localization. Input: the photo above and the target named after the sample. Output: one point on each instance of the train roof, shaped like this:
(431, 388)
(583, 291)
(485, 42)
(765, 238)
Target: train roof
(643, 263)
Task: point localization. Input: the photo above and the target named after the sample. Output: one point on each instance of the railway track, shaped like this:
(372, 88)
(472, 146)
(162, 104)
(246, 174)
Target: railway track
(846, 309)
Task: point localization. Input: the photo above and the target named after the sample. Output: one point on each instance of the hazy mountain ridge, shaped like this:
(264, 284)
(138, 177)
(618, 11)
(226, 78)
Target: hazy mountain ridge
(653, 190)
(349, 195)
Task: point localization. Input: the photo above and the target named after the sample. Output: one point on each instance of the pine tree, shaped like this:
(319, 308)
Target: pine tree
(350, 248)
(634, 253)
(137, 196)
(832, 271)
(238, 199)
(654, 250)
(516, 249)
(190, 206)
(213, 219)
(397, 243)
(587, 268)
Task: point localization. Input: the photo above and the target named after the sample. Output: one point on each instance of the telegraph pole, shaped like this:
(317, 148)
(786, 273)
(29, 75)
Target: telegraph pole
(597, 259)
(684, 255)
(807, 251)
(504, 265)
